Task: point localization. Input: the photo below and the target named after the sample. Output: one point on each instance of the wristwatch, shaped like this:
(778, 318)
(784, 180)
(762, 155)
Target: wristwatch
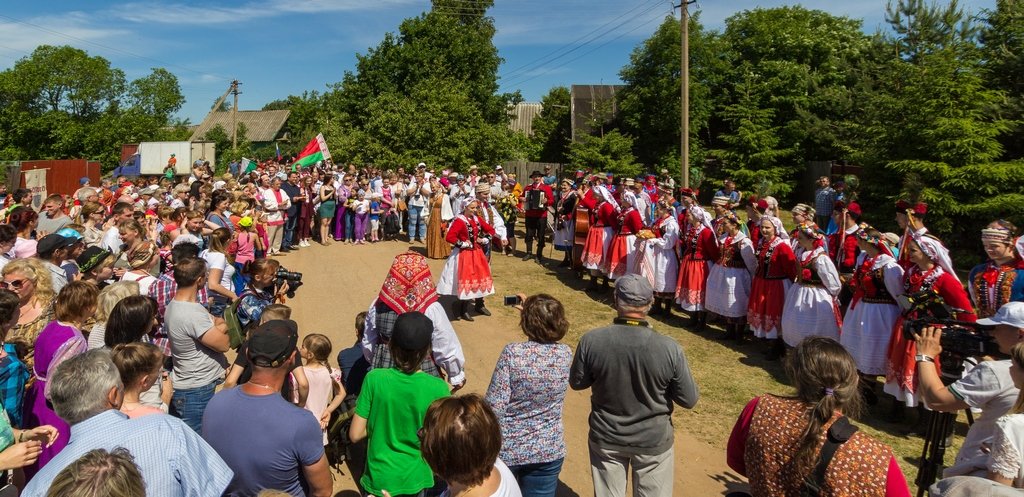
(923, 358)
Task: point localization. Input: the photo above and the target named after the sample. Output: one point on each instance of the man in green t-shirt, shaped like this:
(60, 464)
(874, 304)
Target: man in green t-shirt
(390, 412)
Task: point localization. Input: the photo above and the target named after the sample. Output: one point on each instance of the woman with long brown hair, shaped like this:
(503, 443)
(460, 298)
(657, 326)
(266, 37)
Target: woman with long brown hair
(776, 440)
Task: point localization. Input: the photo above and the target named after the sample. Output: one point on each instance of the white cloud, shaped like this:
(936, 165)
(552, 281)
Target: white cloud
(19, 39)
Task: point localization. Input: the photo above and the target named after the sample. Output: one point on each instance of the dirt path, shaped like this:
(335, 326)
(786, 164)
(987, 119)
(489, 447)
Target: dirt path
(342, 280)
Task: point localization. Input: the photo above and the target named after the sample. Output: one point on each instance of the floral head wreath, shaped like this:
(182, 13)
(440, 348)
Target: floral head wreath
(811, 230)
(730, 215)
(862, 234)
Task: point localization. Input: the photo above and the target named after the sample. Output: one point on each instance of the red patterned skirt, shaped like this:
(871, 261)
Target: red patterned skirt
(595, 248)
(693, 284)
(764, 311)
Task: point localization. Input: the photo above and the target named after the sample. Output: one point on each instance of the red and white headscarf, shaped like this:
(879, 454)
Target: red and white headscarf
(936, 251)
(408, 286)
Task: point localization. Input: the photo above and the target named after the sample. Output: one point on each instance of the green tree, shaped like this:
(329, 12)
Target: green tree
(611, 153)
(552, 128)
(157, 95)
(1002, 41)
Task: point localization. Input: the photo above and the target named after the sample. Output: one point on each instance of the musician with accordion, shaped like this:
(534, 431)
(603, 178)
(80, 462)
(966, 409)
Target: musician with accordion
(537, 197)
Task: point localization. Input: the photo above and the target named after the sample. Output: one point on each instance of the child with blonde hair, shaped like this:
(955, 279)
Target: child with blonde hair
(325, 389)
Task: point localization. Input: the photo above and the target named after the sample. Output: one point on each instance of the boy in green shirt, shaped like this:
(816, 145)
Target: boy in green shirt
(390, 412)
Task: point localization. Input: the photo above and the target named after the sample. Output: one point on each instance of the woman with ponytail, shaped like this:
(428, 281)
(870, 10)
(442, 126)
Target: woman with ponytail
(777, 440)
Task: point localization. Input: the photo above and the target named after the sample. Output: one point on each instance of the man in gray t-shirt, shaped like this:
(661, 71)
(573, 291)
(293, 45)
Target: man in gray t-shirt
(198, 344)
(52, 218)
(635, 375)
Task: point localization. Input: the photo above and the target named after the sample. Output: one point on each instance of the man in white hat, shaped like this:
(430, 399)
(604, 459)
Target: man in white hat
(988, 386)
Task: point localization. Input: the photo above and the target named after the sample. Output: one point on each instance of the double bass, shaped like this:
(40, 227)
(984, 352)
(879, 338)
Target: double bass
(580, 234)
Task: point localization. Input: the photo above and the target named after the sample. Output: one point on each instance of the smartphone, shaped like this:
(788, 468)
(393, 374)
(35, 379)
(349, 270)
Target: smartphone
(513, 300)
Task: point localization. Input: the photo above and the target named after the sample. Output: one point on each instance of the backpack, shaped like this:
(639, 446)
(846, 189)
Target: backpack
(235, 331)
(337, 431)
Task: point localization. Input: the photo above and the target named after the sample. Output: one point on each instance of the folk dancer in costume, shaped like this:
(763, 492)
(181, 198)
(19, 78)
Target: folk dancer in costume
(842, 246)
(410, 288)
(537, 197)
(659, 262)
(722, 208)
(699, 247)
(687, 199)
(565, 221)
(811, 306)
(467, 274)
(622, 252)
(489, 213)
(868, 324)
(755, 210)
(1001, 279)
(603, 225)
(802, 214)
(910, 219)
(776, 268)
(728, 288)
(932, 271)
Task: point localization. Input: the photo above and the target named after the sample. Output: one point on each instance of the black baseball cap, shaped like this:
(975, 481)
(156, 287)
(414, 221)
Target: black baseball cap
(413, 331)
(272, 343)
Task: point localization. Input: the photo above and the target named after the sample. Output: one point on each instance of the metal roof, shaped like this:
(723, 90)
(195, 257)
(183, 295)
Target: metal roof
(260, 125)
(523, 115)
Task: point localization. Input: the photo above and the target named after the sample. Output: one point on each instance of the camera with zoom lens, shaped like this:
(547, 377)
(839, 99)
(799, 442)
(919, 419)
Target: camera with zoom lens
(960, 339)
(293, 279)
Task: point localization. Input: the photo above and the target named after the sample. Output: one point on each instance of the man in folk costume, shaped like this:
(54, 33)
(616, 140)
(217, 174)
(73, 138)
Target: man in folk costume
(409, 287)
(603, 225)
(722, 209)
(756, 209)
(843, 248)
(910, 218)
(650, 187)
(537, 197)
(622, 255)
(492, 217)
(687, 199)
(467, 274)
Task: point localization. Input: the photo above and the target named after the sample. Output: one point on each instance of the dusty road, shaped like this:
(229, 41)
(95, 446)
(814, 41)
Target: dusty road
(342, 280)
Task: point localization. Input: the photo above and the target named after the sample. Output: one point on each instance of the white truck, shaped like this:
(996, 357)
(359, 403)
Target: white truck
(150, 158)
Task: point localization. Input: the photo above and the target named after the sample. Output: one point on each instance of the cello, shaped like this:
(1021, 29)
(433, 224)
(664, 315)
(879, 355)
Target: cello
(580, 233)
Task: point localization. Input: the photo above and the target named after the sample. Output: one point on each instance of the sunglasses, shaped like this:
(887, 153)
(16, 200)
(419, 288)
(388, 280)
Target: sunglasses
(16, 284)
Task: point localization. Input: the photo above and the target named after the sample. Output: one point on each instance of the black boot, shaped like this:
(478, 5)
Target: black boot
(702, 320)
(694, 321)
(464, 310)
(668, 307)
(604, 284)
(480, 309)
(567, 261)
(655, 308)
(776, 347)
(730, 331)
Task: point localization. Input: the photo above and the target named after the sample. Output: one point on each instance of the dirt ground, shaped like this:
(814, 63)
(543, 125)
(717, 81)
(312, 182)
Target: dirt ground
(342, 280)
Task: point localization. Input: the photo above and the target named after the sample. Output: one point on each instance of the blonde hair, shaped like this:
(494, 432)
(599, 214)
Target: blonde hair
(111, 295)
(275, 311)
(34, 270)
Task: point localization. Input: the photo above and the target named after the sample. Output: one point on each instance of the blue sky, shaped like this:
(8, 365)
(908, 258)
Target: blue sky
(282, 47)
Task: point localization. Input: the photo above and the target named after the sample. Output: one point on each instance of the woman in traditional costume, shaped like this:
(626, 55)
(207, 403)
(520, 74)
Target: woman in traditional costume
(659, 262)
(467, 274)
(409, 288)
(565, 223)
(811, 305)
(1001, 279)
(728, 288)
(440, 214)
(776, 268)
(873, 311)
(622, 255)
(604, 217)
(933, 272)
(699, 247)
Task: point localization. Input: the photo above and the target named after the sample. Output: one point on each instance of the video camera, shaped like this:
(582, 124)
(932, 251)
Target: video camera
(960, 339)
(293, 279)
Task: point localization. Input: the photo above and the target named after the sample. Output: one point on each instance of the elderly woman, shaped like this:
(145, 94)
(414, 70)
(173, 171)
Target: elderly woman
(275, 203)
(467, 273)
(31, 281)
(466, 422)
(408, 287)
(1001, 279)
(59, 341)
(776, 440)
(932, 271)
(527, 392)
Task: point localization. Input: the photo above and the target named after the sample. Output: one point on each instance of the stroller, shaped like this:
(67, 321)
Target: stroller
(391, 224)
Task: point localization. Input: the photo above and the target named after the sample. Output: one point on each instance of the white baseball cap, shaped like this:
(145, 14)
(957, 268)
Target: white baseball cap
(1010, 314)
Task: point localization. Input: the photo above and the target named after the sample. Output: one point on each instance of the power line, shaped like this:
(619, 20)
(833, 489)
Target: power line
(580, 56)
(100, 45)
(552, 57)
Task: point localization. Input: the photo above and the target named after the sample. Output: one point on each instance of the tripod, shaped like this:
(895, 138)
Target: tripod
(934, 451)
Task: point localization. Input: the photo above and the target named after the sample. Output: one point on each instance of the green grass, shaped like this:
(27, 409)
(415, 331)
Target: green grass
(728, 375)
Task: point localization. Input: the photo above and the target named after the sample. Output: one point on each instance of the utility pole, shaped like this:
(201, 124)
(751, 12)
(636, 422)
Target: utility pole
(684, 88)
(234, 115)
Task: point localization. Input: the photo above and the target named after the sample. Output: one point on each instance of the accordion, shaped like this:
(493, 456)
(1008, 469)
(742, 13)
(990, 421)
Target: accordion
(535, 200)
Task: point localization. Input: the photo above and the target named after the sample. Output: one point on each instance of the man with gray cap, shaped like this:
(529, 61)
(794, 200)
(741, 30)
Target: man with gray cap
(635, 375)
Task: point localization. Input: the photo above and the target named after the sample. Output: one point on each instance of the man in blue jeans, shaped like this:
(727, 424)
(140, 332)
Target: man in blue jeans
(419, 191)
(291, 188)
(198, 343)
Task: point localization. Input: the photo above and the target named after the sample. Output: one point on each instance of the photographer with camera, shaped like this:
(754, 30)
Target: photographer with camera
(265, 287)
(988, 386)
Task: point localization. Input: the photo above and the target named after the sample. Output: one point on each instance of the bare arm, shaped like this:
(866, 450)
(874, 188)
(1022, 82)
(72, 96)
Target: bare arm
(216, 338)
(234, 374)
(216, 287)
(301, 385)
(357, 430)
(318, 475)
